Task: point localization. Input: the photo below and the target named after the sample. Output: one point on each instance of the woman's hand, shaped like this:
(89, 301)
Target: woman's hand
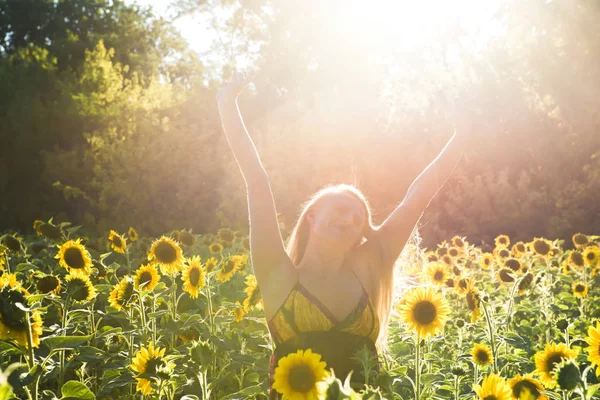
(231, 90)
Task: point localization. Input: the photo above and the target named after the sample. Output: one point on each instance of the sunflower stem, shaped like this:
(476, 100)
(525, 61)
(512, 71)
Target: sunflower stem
(211, 321)
(456, 387)
(143, 317)
(418, 369)
(173, 307)
(492, 338)
(31, 356)
(61, 375)
(510, 304)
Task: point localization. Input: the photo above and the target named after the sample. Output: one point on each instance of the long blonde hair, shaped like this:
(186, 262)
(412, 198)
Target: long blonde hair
(383, 288)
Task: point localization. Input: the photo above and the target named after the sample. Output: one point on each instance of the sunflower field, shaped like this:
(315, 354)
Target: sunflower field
(180, 317)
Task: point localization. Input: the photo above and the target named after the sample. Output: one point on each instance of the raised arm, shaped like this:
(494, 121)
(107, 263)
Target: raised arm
(266, 243)
(394, 232)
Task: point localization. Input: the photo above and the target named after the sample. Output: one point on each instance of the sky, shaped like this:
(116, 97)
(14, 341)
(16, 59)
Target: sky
(192, 28)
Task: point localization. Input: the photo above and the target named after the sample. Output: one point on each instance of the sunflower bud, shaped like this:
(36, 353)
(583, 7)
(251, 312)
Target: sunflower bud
(562, 324)
(567, 375)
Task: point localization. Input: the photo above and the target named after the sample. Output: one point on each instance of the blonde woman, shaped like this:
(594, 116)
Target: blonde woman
(330, 289)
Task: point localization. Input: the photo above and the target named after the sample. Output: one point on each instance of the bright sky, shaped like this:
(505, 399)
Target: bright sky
(192, 28)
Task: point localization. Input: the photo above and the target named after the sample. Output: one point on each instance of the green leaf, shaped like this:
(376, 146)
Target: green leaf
(515, 340)
(244, 393)
(253, 377)
(427, 379)
(591, 390)
(76, 390)
(65, 342)
(9, 349)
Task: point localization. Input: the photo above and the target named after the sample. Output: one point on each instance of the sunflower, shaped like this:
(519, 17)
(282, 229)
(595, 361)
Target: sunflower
(576, 259)
(579, 289)
(525, 283)
(505, 275)
(501, 253)
(425, 311)
(117, 242)
(12, 243)
(122, 293)
(442, 250)
(75, 258)
(215, 248)
(546, 360)
(301, 376)
(80, 288)
(493, 387)
(450, 283)
(238, 312)
(513, 264)
(458, 242)
(464, 284)
(254, 298)
(132, 234)
(593, 339)
(36, 226)
(526, 387)
(437, 273)
(193, 276)
(226, 235)
(146, 277)
(229, 267)
(168, 254)
(502, 241)
(473, 303)
(48, 284)
(186, 238)
(150, 362)
(453, 252)
(519, 249)
(580, 240)
(447, 259)
(591, 255)
(487, 260)
(567, 375)
(49, 230)
(211, 264)
(13, 320)
(430, 256)
(482, 354)
(541, 246)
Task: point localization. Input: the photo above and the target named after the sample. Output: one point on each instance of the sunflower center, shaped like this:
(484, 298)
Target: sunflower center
(74, 258)
(438, 276)
(522, 385)
(80, 291)
(228, 267)
(490, 397)
(301, 378)
(425, 312)
(47, 284)
(145, 277)
(482, 356)
(541, 247)
(505, 276)
(472, 300)
(581, 239)
(577, 259)
(579, 288)
(152, 364)
(552, 361)
(591, 256)
(513, 264)
(10, 315)
(194, 276)
(117, 241)
(165, 253)
(504, 253)
(459, 243)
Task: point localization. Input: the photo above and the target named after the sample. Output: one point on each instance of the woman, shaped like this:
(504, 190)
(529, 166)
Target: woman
(331, 289)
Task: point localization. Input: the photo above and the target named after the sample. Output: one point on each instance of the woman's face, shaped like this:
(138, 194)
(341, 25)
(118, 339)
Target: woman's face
(338, 218)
